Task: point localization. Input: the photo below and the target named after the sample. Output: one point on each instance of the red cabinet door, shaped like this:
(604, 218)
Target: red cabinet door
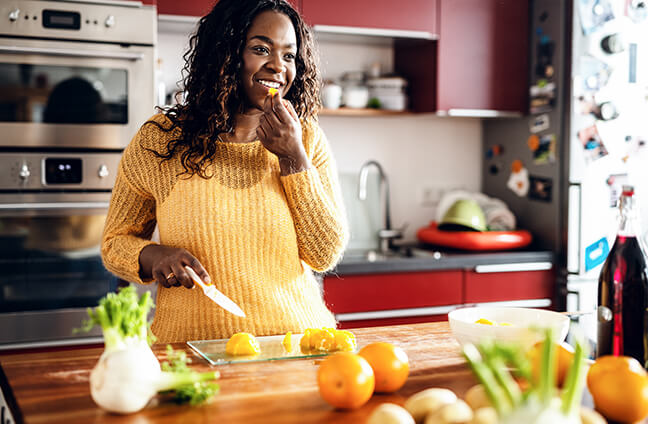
(503, 286)
(411, 15)
(375, 292)
(195, 7)
(482, 55)
(479, 61)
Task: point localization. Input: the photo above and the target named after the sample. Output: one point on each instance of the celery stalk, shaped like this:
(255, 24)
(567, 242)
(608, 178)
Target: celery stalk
(574, 382)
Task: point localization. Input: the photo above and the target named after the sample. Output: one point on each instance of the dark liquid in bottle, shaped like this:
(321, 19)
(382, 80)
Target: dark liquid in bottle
(623, 289)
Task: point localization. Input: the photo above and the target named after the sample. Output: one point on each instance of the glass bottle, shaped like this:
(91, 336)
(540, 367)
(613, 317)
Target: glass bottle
(623, 289)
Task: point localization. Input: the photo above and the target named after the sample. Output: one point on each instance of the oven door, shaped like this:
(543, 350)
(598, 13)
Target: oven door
(51, 270)
(73, 94)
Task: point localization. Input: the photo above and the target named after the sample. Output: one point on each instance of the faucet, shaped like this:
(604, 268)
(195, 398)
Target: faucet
(387, 234)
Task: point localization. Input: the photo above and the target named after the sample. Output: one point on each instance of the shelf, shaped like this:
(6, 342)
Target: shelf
(347, 111)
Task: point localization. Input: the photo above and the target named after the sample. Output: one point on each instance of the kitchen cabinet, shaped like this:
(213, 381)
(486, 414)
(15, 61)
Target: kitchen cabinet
(479, 64)
(412, 15)
(195, 7)
(394, 298)
(367, 300)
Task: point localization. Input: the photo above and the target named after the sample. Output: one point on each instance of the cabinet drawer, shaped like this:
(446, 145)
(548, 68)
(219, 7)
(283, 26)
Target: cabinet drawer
(376, 292)
(501, 286)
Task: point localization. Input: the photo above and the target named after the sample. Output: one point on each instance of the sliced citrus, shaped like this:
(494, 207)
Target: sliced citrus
(242, 344)
(287, 341)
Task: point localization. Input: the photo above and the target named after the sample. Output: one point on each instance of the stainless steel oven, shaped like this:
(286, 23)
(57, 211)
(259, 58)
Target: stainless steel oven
(76, 82)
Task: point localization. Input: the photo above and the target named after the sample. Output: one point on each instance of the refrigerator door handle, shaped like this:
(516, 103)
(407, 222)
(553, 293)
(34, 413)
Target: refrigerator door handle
(574, 230)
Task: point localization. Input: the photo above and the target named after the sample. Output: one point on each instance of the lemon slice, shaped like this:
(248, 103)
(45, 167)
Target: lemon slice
(484, 321)
(287, 342)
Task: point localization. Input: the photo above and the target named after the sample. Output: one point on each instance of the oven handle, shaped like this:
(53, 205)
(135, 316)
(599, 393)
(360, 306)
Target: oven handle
(75, 53)
(52, 205)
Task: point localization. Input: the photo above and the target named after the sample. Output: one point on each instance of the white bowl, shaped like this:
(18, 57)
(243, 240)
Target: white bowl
(522, 329)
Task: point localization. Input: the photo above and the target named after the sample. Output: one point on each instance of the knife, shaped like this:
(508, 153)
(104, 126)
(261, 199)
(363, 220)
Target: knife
(214, 294)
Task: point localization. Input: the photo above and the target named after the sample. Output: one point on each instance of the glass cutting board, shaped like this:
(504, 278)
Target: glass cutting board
(271, 350)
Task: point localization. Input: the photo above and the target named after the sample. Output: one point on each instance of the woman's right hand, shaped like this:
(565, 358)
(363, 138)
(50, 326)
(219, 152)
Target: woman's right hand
(166, 265)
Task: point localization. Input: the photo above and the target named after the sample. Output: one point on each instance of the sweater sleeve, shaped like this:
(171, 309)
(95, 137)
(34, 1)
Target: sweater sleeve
(131, 217)
(315, 201)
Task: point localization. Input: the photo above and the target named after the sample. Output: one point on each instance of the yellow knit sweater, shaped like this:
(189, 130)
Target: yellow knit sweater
(258, 234)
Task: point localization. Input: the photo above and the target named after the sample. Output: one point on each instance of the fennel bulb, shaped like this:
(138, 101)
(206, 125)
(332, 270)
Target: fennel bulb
(128, 374)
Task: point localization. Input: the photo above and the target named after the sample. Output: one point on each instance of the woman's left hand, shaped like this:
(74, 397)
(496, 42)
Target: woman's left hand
(281, 133)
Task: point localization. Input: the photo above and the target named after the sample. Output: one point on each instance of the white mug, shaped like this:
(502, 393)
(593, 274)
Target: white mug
(331, 96)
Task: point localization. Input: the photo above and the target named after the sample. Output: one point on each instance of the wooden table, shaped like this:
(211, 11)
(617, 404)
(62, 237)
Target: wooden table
(52, 387)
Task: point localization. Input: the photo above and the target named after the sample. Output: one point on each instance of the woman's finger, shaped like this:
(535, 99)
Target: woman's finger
(264, 123)
(279, 109)
(161, 279)
(182, 276)
(290, 109)
(200, 270)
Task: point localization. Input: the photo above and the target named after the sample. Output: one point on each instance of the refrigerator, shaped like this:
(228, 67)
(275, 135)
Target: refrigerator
(560, 168)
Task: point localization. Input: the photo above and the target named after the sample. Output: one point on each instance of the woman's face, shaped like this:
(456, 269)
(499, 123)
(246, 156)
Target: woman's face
(268, 57)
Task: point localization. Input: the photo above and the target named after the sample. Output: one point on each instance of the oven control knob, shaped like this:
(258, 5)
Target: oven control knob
(24, 172)
(14, 15)
(103, 171)
(110, 21)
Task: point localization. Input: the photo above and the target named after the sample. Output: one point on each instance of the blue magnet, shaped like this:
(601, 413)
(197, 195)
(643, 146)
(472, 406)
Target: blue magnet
(596, 253)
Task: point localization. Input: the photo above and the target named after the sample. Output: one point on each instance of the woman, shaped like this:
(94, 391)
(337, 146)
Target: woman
(240, 182)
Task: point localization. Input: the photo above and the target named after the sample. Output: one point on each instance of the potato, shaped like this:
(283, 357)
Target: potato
(390, 413)
(476, 397)
(485, 415)
(590, 416)
(454, 413)
(423, 403)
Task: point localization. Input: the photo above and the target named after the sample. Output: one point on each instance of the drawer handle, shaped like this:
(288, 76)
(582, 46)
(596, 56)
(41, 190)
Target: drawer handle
(528, 266)
(397, 313)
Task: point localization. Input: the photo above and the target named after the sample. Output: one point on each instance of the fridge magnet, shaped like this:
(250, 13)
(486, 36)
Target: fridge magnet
(593, 146)
(615, 183)
(543, 96)
(634, 145)
(594, 13)
(540, 188)
(637, 10)
(545, 149)
(494, 151)
(594, 74)
(518, 181)
(494, 169)
(596, 253)
(539, 123)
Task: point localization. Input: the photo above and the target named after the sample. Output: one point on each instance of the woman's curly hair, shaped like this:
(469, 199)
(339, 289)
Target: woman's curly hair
(214, 94)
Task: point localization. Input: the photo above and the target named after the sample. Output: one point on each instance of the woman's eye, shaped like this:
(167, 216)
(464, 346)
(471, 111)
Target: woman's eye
(290, 56)
(260, 49)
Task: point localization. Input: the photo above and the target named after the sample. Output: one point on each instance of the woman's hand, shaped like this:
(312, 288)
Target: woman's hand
(166, 265)
(281, 133)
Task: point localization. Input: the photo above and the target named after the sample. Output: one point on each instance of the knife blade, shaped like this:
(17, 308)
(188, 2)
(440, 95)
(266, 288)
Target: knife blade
(214, 294)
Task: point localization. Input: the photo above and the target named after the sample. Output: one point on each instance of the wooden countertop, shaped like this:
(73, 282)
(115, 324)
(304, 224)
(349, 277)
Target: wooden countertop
(52, 387)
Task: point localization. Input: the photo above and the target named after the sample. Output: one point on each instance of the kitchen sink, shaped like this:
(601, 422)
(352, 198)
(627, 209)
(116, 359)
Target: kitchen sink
(400, 253)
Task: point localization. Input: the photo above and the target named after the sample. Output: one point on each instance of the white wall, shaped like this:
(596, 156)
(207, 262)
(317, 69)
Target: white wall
(416, 151)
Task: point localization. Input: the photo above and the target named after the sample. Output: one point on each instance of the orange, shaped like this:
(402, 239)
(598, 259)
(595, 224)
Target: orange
(345, 380)
(389, 363)
(242, 344)
(619, 387)
(564, 360)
